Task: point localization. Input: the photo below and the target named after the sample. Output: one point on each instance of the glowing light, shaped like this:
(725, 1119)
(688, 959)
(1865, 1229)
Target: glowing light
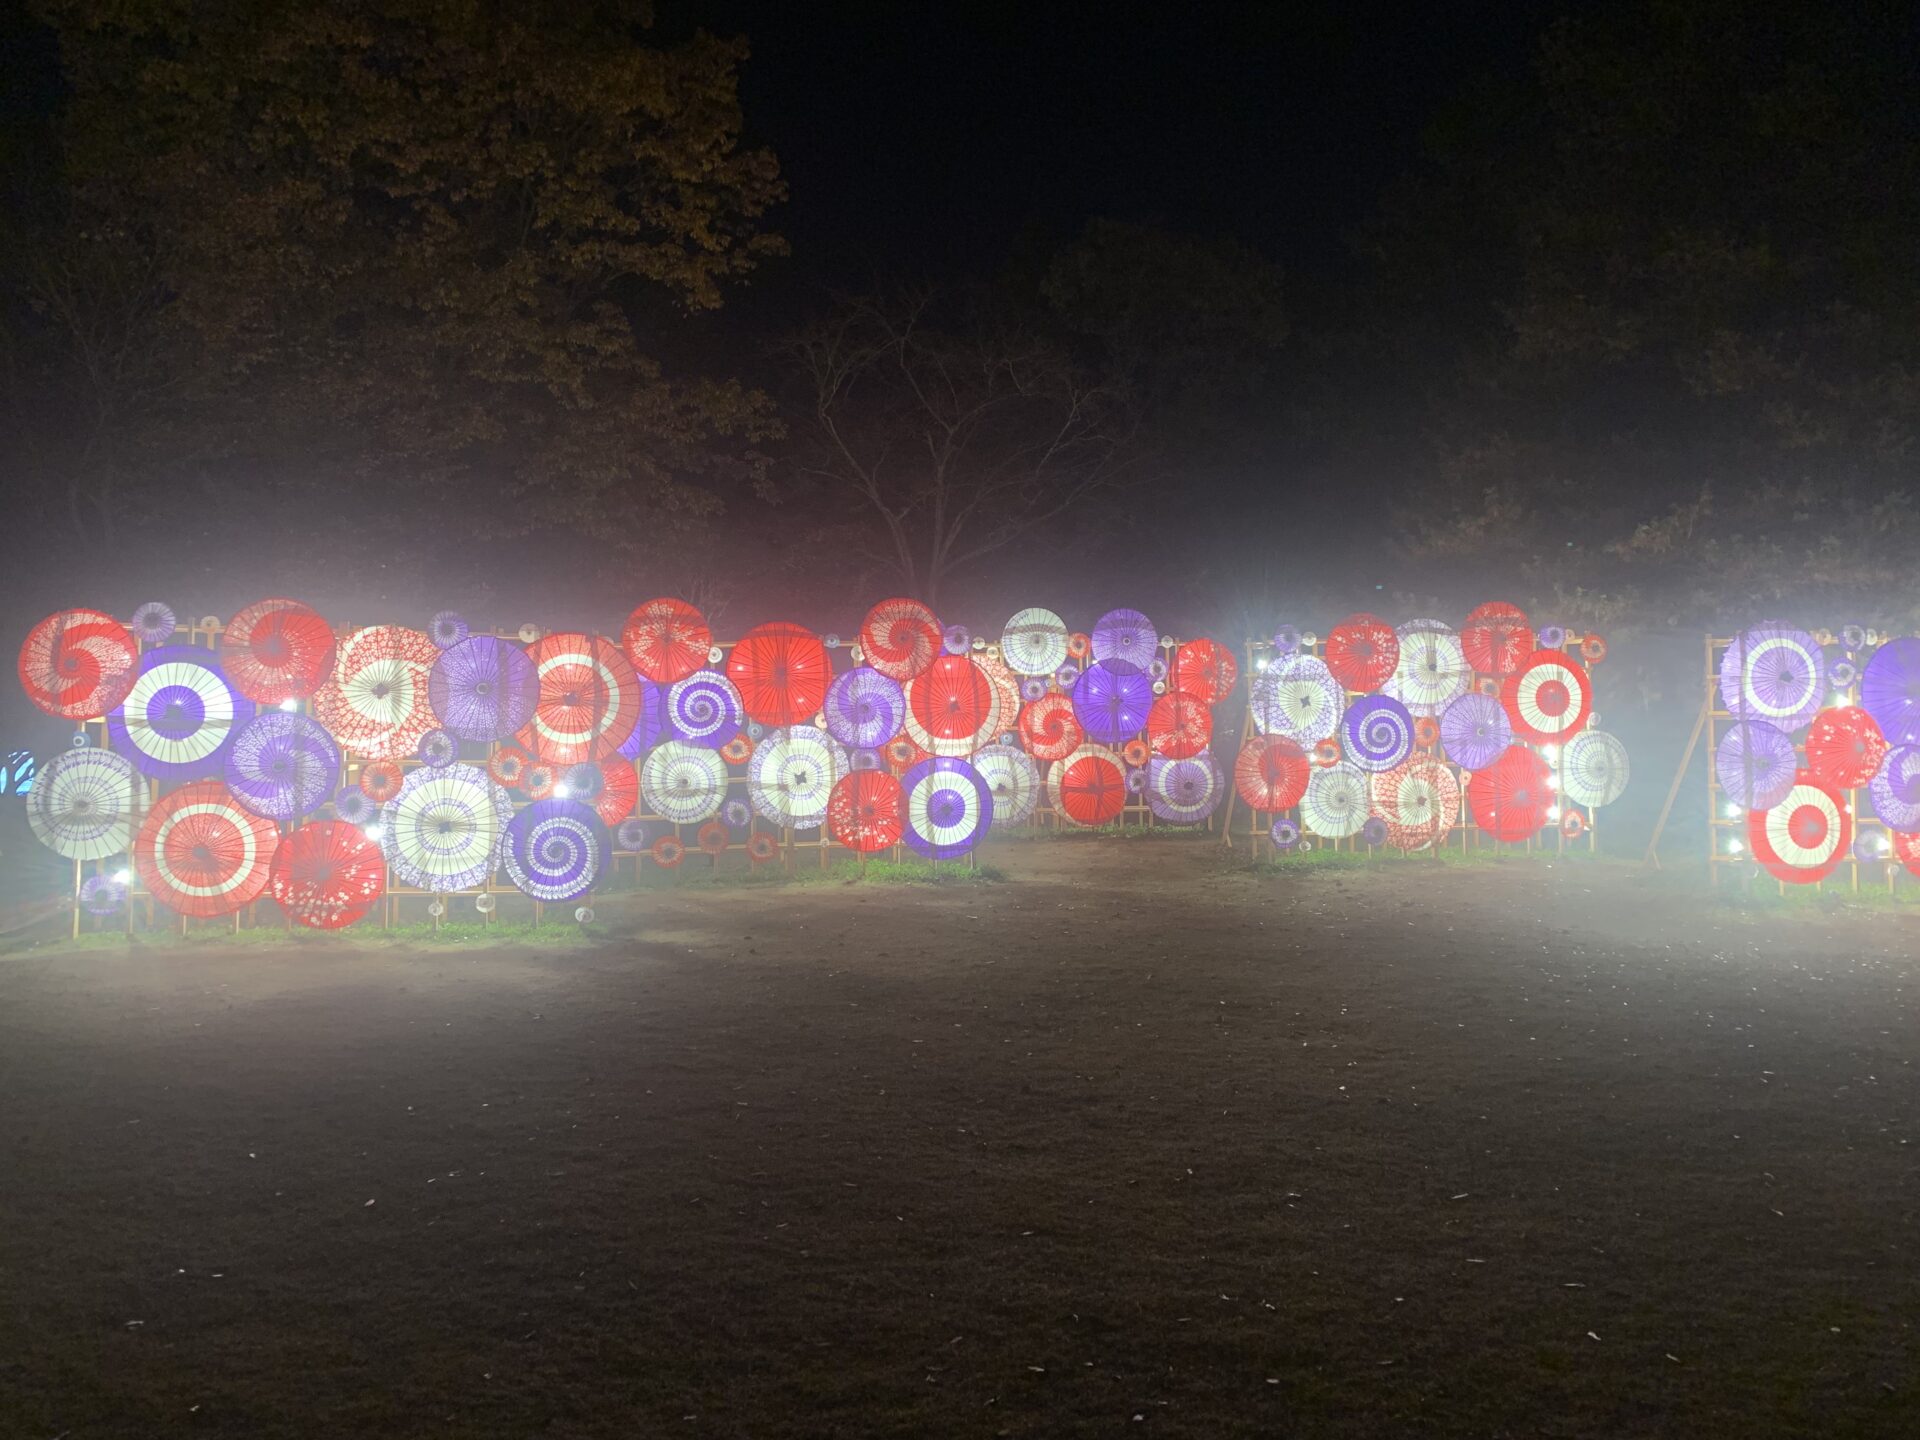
(560, 792)
(1732, 811)
(1553, 782)
(1552, 752)
(1886, 845)
(1734, 847)
(1553, 812)
(121, 877)
(372, 832)
(289, 704)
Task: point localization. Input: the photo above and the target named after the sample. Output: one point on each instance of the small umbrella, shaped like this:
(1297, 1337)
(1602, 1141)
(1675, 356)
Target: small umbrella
(1013, 779)
(1510, 798)
(276, 650)
(1377, 732)
(956, 640)
(1297, 698)
(508, 764)
(666, 640)
(704, 709)
(102, 895)
(153, 622)
(78, 664)
(1049, 729)
(1419, 801)
(1179, 724)
(1034, 642)
(1774, 673)
(448, 628)
(864, 811)
(377, 703)
(84, 804)
(781, 672)
(1496, 638)
(1474, 730)
(1361, 651)
(1593, 768)
(327, 875)
(444, 830)
(1432, 669)
(1112, 700)
(555, 849)
(947, 807)
(1373, 832)
(1845, 747)
(1803, 837)
(1896, 789)
(792, 774)
(1337, 800)
(483, 688)
(282, 766)
(900, 638)
(588, 700)
(1271, 772)
(683, 783)
(1755, 764)
(1906, 849)
(437, 747)
(631, 834)
(1205, 668)
(1285, 834)
(1549, 697)
(354, 807)
(201, 853)
(179, 719)
(864, 708)
(1186, 790)
(1890, 690)
(1126, 636)
(380, 780)
(952, 707)
(1089, 787)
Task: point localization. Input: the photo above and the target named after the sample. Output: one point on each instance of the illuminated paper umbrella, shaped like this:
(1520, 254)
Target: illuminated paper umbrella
(588, 701)
(1432, 670)
(666, 640)
(102, 895)
(282, 766)
(1906, 849)
(1755, 764)
(201, 853)
(1204, 668)
(1549, 697)
(78, 664)
(1496, 638)
(153, 622)
(555, 849)
(1089, 787)
(865, 709)
(900, 638)
(1179, 724)
(781, 672)
(1049, 729)
(483, 688)
(1337, 801)
(1475, 730)
(377, 702)
(1774, 673)
(864, 811)
(704, 709)
(178, 720)
(444, 830)
(83, 805)
(1896, 789)
(1593, 768)
(1510, 798)
(1803, 837)
(327, 875)
(952, 707)
(1845, 747)
(1377, 732)
(948, 807)
(1890, 690)
(1185, 791)
(277, 650)
(1419, 801)
(1034, 642)
(1297, 698)
(1271, 772)
(619, 789)
(1014, 780)
(683, 783)
(1112, 699)
(651, 726)
(791, 776)
(1361, 651)
(1126, 636)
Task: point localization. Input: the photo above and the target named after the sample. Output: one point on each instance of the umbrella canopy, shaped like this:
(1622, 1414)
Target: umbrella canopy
(1890, 690)
(179, 719)
(380, 780)
(78, 664)
(1845, 747)
(900, 638)
(1126, 636)
(1593, 768)
(483, 688)
(865, 810)
(1774, 673)
(201, 853)
(1186, 790)
(1432, 670)
(153, 622)
(1013, 779)
(683, 783)
(781, 672)
(437, 747)
(1755, 764)
(952, 707)
(444, 830)
(555, 849)
(864, 708)
(377, 703)
(1111, 700)
(1337, 801)
(277, 650)
(666, 640)
(1049, 729)
(102, 895)
(327, 875)
(1549, 697)
(84, 804)
(792, 774)
(1089, 787)
(619, 789)
(1906, 849)
(1419, 801)
(282, 766)
(1510, 798)
(508, 764)
(1362, 651)
(704, 709)
(1496, 638)
(651, 726)
(1896, 789)
(1034, 642)
(1204, 668)
(448, 628)
(1297, 698)
(1377, 732)
(1475, 731)
(1179, 724)
(947, 807)
(588, 701)
(1806, 835)
(1271, 772)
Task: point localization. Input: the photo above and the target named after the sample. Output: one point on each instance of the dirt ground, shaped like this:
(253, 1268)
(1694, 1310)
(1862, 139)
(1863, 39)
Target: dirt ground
(1135, 1142)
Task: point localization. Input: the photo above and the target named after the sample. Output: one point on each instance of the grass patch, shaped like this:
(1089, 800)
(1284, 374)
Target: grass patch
(842, 871)
(553, 934)
(1324, 857)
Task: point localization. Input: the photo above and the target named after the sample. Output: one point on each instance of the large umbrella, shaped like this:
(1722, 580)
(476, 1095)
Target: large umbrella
(1496, 638)
(377, 702)
(1337, 800)
(327, 875)
(1112, 699)
(1510, 798)
(1187, 790)
(1271, 772)
(1089, 787)
(1014, 780)
(277, 650)
(791, 776)
(947, 807)
(282, 766)
(1049, 729)
(1419, 801)
(83, 805)
(704, 709)
(666, 640)
(1805, 836)
(78, 664)
(864, 812)
(179, 719)
(1593, 768)
(1549, 697)
(1755, 764)
(1896, 789)
(864, 708)
(900, 638)
(1890, 690)
(1474, 730)
(1034, 642)
(588, 701)
(555, 849)
(1377, 732)
(1362, 651)
(683, 783)
(1774, 673)
(1205, 668)
(781, 672)
(1432, 669)
(1126, 636)
(1179, 724)
(1297, 698)
(201, 853)
(1845, 747)
(444, 830)
(483, 688)
(952, 707)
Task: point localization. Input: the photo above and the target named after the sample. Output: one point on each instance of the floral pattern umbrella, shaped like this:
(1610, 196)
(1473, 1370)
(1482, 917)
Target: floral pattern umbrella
(704, 709)
(377, 703)
(948, 807)
(1895, 791)
(1845, 747)
(1179, 724)
(1203, 668)
(180, 716)
(1890, 690)
(201, 853)
(1774, 673)
(327, 875)
(1755, 764)
(1377, 733)
(1337, 801)
(1126, 636)
(900, 638)
(1419, 801)
(781, 672)
(588, 700)
(1362, 651)
(1549, 697)
(865, 811)
(1432, 670)
(1475, 731)
(556, 849)
(483, 688)
(1034, 642)
(443, 832)
(1049, 729)
(84, 804)
(1496, 639)
(1112, 699)
(791, 776)
(1297, 698)
(1013, 779)
(683, 783)
(1186, 790)
(282, 766)
(1510, 798)
(276, 650)
(1089, 787)
(1805, 836)
(1593, 768)
(666, 640)
(1271, 772)
(78, 664)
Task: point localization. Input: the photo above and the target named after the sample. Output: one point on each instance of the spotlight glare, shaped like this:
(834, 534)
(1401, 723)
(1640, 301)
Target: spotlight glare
(372, 832)
(1734, 847)
(289, 704)
(121, 877)
(560, 792)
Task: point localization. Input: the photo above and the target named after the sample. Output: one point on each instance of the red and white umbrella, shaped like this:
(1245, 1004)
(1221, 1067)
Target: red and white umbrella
(589, 700)
(1179, 724)
(1511, 797)
(277, 650)
(327, 874)
(1205, 668)
(666, 640)
(900, 638)
(1049, 728)
(1271, 772)
(1549, 697)
(376, 704)
(1420, 801)
(1845, 747)
(78, 664)
(1496, 638)
(864, 811)
(1804, 837)
(1362, 651)
(953, 708)
(201, 853)
(1089, 787)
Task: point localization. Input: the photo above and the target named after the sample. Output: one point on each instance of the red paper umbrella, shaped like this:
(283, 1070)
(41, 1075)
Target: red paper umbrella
(327, 874)
(620, 792)
(1845, 747)
(1420, 801)
(380, 780)
(1049, 728)
(900, 638)
(666, 640)
(864, 811)
(78, 664)
(1362, 651)
(200, 852)
(1511, 797)
(1089, 787)
(1179, 725)
(781, 672)
(952, 701)
(1549, 697)
(667, 852)
(1805, 836)
(538, 779)
(1906, 849)
(1496, 638)
(1271, 772)
(508, 765)
(903, 754)
(589, 701)
(277, 650)
(377, 702)
(1205, 668)
(712, 837)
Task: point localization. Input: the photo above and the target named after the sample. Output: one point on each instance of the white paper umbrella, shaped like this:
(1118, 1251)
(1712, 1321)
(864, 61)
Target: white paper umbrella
(444, 830)
(1014, 780)
(1297, 698)
(1593, 768)
(179, 719)
(683, 783)
(1337, 801)
(1432, 670)
(84, 804)
(1034, 643)
(791, 775)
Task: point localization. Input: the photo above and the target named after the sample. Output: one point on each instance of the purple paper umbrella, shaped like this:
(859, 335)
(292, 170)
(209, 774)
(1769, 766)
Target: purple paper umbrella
(1137, 780)
(704, 709)
(1185, 792)
(956, 640)
(1286, 640)
(102, 895)
(1868, 847)
(282, 765)
(1774, 673)
(631, 834)
(353, 806)
(1111, 700)
(1377, 732)
(1890, 690)
(948, 807)
(483, 688)
(447, 629)
(179, 720)
(1374, 832)
(1033, 688)
(437, 747)
(1285, 834)
(1475, 731)
(585, 782)
(652, 724)
(1755, 764)
(864, 708)
(866, 759)
(1067, 676)
(737, 813)
(1127, 636)
(153, 622)
(555, 849)
(1896, 789)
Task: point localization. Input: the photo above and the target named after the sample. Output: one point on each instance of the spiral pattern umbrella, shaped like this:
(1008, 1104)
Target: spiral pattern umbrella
(704, 709)
(444, 830)
(1496, 638)
(792, 774)
(1890, 690)
(1361, 651)
(1013, 779)
(1895, 791)
(1203, 668)
(277, 650)
(555, 849)
(1049, 729)
(1297, 698)
(683, 783)
(483, 688)
(78, 664)
(1475, 731)
(327, 875)
(1755, 764)
(1419, 801)
(154, 623)
(947, 807)
(952, 707)
(666, 640)
(900, 638)
(1089, 787)
(1510, 798)
(1186, 790)
(1271, 772)
(781, 672)
(1126, 636)
(1179, 724)
(1432, 670)
(1112, 700)
(282, 766)
(866, 811)
(1774, 673)
(1377, 733)
(865, 709)
(1337, 799)
(1845, 747)
(1549, 697)
(1593, 768)
(377, 703)
(1034, 642)
(1803, 837)
(588, 699)
(180, 716)
(631, 834)
(84, 803)
(201, 853)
